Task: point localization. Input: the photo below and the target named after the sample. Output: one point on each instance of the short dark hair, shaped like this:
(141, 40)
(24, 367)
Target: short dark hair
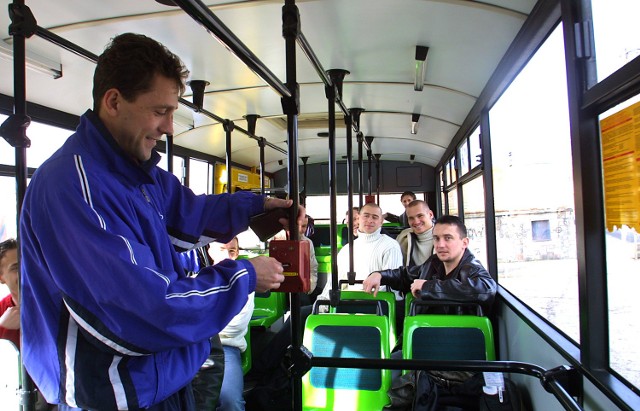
(374, 205)
(130, 62)
(419, 202)
(408, 193)
(6, 245)
(453, 220)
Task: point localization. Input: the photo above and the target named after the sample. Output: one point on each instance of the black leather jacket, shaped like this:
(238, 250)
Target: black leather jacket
(468, 282)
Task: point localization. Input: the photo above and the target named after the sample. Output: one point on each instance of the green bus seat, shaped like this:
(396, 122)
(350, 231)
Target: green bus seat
(245, 357)
(389, 308)
(346, 336)
(408, 299)
(448, 337)
(269, 307)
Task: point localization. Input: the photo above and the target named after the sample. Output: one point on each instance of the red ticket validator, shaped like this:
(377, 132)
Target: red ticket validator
(294, 257)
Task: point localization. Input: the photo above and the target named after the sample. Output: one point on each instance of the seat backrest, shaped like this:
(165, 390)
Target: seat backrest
(245, 357)
(388, 307)
(448, 337)
(269, 307)
(346, 336)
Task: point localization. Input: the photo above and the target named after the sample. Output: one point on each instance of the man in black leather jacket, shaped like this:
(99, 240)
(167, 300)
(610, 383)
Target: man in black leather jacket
(452, 273)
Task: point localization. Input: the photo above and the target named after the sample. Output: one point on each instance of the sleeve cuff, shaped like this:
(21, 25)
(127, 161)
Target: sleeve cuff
(252, 273)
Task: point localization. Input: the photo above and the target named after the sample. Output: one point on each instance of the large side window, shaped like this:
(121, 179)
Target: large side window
(533, 189)
(621, 171)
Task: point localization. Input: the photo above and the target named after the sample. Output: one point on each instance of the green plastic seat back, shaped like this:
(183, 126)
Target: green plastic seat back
(269, 307)
(389, 307)
(344, 335)
(448, 337)
(245, 357)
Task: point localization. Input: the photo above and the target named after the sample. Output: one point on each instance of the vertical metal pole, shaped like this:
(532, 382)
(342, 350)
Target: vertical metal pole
(291, 107)
(378, 177)
(336, 76)
(360, 171)
(369, 140)
(228, 129)
(261, 144)
(170, 153)
(348, 122)
(252, 119)
(303, 200)
(18, 13)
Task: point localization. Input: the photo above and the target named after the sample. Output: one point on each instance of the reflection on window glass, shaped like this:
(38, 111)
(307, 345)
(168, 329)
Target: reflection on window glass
(463, 156)
(199, 181)
(532, 171)
(616, 33)
(619, 155)
(452, 197)
(473, 205)
(474, 146)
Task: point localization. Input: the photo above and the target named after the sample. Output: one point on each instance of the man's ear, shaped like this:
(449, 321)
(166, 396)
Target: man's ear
(111, 102)
(465, 241)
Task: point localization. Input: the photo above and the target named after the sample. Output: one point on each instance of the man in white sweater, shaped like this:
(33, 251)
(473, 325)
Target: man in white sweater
(416, 242)
(233, 341)
(372, 249)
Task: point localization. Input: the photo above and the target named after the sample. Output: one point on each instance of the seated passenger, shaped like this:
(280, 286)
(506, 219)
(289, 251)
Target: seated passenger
(405, 198)
(233, 341)
(355, 212)
(416, 242)
(452, 273)
(372, 252)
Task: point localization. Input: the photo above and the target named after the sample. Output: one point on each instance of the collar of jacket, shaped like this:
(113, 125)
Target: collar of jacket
(438, 266)
(101, 143)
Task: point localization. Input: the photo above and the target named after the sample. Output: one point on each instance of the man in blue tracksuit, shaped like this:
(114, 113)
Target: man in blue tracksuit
(110, 320)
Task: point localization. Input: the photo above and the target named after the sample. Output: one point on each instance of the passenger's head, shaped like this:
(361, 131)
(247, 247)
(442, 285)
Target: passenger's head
(222, 251)
(302, 228)
(355, 212)
(370, 218)
(407, 197)
(450, 239)
(419, 216)
(9, 265)
(136, 86)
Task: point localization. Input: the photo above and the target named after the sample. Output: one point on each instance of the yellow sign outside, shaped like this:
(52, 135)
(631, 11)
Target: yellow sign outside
(620, 134)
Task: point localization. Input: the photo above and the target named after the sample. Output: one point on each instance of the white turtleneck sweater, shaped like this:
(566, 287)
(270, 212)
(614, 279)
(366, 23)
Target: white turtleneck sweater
(371, 252)
(420, 250)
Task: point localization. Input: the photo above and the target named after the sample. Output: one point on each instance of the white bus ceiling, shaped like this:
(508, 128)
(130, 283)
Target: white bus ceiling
(375, 40)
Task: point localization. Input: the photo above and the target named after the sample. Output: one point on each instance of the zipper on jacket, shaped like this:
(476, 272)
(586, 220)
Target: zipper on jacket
(146, 196)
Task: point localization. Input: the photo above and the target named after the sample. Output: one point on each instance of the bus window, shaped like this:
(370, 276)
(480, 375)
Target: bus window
(616, 33)
(533, 181)
(473, 206)
(618, 131)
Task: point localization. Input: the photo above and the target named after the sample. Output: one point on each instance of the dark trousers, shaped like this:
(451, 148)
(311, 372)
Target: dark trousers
(180, 401)
(208, 381)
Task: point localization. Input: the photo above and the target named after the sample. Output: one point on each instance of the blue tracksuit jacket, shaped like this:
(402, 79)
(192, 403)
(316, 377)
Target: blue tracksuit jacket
(110, 321)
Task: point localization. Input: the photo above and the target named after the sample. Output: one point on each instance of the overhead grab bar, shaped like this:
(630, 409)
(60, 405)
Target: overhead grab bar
(86, 54)
(315, 62)
(201, 13)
